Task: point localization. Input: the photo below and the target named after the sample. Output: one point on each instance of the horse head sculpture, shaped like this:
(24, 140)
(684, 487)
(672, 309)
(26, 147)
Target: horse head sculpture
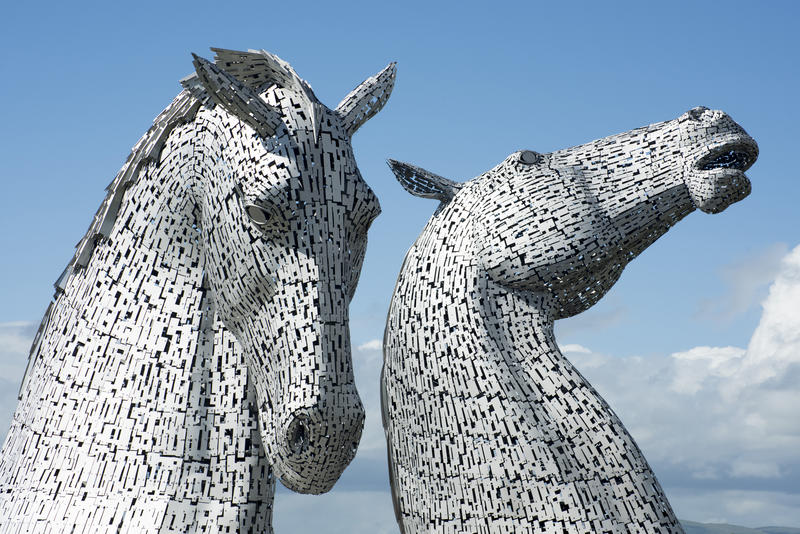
(198, 344)
(489, 427)
(568, 222)
(284, 231)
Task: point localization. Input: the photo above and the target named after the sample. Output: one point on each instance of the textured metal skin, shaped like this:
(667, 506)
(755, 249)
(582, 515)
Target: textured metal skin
(198, 344)
(489, 427)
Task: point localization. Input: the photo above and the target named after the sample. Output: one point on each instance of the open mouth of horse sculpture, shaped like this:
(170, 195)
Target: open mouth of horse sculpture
(735, 155)
(717, 178)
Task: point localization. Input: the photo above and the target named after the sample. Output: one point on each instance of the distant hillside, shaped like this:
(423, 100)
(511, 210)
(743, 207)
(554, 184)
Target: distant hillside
(692, 527)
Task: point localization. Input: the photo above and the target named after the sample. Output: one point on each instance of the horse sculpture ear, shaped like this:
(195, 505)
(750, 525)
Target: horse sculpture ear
(367, 99)
(422, 183)
(235, 97)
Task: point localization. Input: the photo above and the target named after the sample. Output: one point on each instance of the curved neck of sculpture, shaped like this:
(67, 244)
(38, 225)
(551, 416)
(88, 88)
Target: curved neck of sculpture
(492, 391)
(525, 325)
(443, 281)
(143, 285)
(127, 362)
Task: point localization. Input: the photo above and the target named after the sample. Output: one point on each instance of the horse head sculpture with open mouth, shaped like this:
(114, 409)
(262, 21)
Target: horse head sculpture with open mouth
(489, 427)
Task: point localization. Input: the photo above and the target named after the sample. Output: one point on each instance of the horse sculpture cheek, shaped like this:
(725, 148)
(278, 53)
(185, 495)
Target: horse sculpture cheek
(538, 223)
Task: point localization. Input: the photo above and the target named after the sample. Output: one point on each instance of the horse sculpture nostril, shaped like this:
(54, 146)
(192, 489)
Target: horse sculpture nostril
(297, 436)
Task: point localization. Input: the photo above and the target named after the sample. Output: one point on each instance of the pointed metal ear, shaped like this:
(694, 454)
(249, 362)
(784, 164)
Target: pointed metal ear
(422, 183)
(367, 99)
(237, 98)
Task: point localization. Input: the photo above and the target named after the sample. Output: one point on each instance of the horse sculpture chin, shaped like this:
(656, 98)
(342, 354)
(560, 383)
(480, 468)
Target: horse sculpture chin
(198, 344)
(489, 427)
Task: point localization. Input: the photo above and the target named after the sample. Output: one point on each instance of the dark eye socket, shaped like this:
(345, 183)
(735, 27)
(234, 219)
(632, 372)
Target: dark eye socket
(257, 214)
(263, 214)
(696, 113)
(263, 217)
(529, 157)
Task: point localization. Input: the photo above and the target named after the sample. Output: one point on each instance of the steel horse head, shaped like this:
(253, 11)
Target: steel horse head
(198, 344)
(489, 427)
(284, 227)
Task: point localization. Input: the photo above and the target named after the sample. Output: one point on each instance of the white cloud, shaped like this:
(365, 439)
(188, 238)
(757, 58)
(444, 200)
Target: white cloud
(775, 345)
(372, 344)
(695, 367)
(573, 347)
(746, 281)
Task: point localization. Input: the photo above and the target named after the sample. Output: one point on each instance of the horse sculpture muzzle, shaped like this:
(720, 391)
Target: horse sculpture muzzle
(309, 409)
(714, 172)
(317, 438)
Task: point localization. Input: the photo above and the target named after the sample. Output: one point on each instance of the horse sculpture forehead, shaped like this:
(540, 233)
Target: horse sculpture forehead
(302, 155)
(308, 182)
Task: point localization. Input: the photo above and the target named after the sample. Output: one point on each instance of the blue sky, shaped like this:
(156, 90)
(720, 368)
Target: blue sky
(476, 81)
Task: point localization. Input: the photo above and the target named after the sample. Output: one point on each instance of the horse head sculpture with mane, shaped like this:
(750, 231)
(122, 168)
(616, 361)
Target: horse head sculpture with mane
(489, 427)
(198, 344)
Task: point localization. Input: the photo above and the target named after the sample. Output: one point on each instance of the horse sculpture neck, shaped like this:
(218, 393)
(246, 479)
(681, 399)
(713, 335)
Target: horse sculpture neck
(508, 422)
(138, 391)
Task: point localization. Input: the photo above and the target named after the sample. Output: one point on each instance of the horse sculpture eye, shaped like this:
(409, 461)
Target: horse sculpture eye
(696, 113)
(257, 214)
(263, 217)
(528, 157)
